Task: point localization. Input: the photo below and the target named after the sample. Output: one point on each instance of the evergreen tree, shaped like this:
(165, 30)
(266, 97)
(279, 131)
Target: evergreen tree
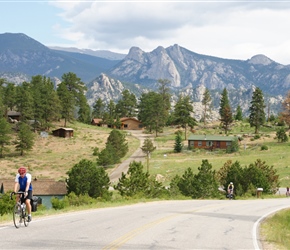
(25, 138)
(117, 140)
(285, 114)
(239, 114)
(164, 91)
(281, 135)
(84, 113)
(71, 93)
(206, 102)
(67, 102)
(126, 106)
(257, 113)
(46, 104)
(116, 148)
(178, 143)
(148, 148)
(151, 112)
(10, 95)
(24, 101)
(110, 114)
(183, 113)
(86, 178)
(225, 111)
(98, 108)
(5, 134)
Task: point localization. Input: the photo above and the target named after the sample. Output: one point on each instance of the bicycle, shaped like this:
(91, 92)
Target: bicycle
(19, 211)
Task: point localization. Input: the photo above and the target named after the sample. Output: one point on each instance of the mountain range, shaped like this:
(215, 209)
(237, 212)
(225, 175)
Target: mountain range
(106, 74)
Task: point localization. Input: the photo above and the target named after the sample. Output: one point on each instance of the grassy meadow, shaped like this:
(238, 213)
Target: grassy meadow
(52, 157)
(167, 164)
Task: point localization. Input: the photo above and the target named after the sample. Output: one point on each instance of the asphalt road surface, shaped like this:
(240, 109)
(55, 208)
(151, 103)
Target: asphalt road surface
(190, 224)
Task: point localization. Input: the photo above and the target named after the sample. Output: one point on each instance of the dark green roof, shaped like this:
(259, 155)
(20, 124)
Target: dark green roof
(193, 137)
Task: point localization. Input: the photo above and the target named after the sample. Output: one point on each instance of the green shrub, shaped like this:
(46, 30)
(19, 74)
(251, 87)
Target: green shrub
(59, 204)
(264, 147)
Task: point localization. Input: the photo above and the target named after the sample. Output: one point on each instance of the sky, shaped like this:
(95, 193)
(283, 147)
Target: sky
(227, 29)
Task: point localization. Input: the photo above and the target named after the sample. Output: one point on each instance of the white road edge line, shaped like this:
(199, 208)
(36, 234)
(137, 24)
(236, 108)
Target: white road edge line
(255, 227)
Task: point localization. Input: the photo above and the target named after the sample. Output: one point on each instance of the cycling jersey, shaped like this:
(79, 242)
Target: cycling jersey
(22, 181)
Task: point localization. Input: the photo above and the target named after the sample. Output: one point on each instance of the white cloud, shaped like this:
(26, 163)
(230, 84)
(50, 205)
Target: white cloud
(236, 30)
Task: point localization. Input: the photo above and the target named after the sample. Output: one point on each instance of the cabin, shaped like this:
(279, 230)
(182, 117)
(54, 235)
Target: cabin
(13, 116)
(63, 132)
(127, 123)
(210, 142)
(45, 189)
(97, 122)
(130, 123)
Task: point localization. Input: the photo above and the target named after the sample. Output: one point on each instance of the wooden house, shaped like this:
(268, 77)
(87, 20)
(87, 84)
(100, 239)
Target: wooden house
(210, 141)
(63, 132)
(130, 123)
(13, 116)
(44, 189)
(127, 123)
(97, 122)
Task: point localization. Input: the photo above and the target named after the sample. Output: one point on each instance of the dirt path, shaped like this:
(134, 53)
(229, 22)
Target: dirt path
(138, 156)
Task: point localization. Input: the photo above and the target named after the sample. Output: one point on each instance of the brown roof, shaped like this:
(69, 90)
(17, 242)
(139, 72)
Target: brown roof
(97, 120)
(40, 187)
(129, 118)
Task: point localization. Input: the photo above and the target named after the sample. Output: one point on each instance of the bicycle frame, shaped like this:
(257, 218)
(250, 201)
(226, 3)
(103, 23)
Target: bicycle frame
(19, 210)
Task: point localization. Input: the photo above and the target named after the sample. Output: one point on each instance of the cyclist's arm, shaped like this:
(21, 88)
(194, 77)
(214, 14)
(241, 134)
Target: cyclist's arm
(16, 185)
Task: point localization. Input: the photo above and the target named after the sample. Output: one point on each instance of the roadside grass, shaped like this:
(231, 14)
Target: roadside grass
(276, 230)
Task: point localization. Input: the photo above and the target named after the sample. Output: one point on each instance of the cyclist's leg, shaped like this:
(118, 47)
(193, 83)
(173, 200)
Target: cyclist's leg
(28, 204)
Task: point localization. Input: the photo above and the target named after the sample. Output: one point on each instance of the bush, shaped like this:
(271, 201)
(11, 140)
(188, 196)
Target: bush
(6, 204)
(264, 147)
(138, 183)
(59, 204)
(85, 178)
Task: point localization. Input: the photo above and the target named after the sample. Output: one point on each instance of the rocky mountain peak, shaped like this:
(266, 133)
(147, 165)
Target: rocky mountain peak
(260, 59)
(135, 54)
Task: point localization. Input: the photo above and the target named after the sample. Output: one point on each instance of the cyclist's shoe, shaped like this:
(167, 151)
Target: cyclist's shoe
(29, 218)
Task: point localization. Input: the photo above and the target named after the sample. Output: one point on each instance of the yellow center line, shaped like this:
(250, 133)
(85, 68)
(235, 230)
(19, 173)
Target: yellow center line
(128, 236)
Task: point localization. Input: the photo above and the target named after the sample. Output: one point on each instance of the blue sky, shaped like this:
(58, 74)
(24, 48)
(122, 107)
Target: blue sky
(228, 29)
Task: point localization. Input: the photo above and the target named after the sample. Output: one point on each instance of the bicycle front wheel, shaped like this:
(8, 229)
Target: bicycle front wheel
(17, 215)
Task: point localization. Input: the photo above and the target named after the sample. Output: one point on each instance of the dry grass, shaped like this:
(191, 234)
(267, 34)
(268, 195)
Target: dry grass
(52, 157)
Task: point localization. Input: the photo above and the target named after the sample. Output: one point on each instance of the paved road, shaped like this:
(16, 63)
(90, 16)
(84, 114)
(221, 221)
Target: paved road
(138, 155)
(190, 224)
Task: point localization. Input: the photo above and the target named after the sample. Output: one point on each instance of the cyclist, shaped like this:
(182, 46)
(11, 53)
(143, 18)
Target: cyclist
(23, 183)
(287, 192)
(231, 188)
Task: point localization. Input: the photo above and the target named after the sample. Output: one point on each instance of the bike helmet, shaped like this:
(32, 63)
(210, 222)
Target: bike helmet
(22, 170)
(231, 183)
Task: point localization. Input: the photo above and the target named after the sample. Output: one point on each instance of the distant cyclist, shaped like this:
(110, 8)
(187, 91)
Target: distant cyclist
(23, 183)
(231, 188)
(287, 192)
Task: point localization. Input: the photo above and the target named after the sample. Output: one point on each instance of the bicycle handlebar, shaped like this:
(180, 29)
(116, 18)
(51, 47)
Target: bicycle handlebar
(13, 193)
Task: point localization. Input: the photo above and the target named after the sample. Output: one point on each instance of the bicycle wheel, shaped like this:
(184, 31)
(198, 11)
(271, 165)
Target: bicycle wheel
(17, 216)
(25, 218)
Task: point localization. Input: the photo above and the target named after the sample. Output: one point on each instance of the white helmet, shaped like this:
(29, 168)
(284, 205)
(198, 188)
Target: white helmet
(231, 183)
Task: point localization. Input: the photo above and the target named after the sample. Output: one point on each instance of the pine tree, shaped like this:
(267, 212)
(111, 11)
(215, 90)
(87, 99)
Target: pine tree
(239, 114)
(257, 113)
(151, 112)
(5, 134)
(225, 111)
(206, 102)
(25, 138)
(285, 114)
(178, 143)
(183, 113)
(98, 108)
(126, 106)
(148, 148)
